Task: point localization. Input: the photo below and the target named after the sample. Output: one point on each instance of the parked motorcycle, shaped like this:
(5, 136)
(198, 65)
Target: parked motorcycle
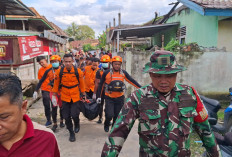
(225, 143)
(222, 132)
(213, 107)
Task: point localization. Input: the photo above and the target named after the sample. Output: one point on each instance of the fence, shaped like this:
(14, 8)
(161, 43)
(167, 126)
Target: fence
(208, 72)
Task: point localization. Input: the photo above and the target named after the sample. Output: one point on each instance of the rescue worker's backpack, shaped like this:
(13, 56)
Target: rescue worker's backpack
(116, 85)
(91, 109)
(61, 75)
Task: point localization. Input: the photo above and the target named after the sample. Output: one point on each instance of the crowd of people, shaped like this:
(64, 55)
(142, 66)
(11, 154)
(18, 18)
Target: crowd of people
(67, 83)
(167, 111)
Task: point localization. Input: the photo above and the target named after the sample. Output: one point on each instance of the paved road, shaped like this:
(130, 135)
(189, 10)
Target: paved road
(90, 139)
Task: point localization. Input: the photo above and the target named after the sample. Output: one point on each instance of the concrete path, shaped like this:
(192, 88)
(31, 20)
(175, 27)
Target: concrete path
(90, 139)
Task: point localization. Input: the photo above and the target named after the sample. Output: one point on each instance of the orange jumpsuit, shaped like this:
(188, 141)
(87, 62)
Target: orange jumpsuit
(44, 86)
(89, 75)
(69, 79)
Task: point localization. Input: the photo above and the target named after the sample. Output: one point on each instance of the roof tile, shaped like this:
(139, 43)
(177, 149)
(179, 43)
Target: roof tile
(214, 4)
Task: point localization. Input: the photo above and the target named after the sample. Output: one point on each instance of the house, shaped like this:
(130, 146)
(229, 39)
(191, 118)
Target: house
(148, 34)
(24, 36)
(79, 43)
(28, 23)
(13, 7)
(54, 38)
(206, 22)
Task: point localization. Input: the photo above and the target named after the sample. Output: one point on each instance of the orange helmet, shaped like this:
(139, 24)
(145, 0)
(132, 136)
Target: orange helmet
(105, 58)
(117, 59)
(55, 57)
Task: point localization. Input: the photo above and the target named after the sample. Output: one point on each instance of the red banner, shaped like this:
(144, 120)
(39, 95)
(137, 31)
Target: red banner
(30, 47)
(6, 51)
(47, 48)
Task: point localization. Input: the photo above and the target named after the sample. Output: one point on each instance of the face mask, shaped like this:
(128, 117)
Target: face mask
(105, 65)
(55, 65)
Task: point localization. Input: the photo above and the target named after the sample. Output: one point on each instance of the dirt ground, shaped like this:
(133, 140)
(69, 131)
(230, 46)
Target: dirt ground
(89, 141)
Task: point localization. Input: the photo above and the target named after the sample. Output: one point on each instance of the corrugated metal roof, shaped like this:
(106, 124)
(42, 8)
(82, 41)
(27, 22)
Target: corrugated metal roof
(6, 32)
(210, 7)
(142, 31)
(57, 30)
(217, 4)
(14, 7)
(36, 17)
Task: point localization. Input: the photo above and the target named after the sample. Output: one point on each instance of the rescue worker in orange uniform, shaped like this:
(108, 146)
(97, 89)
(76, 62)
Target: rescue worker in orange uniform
(45, 88)
(70, 82)
(105, 61)
(89, 77)
(113, 81)
(50, 74)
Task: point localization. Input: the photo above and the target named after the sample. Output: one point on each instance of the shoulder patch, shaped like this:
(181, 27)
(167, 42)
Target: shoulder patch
(201, 111)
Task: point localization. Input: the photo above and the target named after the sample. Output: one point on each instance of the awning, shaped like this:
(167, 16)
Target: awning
(40, 23)
(141, 32)
(47, 35)
(50, 36)
(14, 7)
(7, 32)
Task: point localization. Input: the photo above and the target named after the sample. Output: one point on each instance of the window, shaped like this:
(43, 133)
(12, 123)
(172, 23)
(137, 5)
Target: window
(181, 34)
(182, 41)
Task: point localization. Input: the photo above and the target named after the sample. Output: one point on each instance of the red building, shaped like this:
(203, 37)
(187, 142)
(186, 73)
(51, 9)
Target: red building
(26, 35)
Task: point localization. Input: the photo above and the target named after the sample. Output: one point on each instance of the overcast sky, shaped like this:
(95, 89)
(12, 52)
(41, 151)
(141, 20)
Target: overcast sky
(98, 13)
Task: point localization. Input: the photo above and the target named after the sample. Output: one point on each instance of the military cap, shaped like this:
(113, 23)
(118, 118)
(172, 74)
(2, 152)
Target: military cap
(163, 62)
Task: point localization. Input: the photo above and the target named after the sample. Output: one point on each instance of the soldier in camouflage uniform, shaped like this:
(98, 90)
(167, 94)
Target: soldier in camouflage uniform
(167, 112)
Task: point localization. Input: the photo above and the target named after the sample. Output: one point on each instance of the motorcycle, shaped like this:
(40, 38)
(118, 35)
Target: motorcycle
(222, 132)
(213, 107)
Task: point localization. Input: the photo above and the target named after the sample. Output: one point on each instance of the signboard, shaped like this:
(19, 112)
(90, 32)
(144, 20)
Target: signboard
(30, 47)
(47, 48)
(6, 51)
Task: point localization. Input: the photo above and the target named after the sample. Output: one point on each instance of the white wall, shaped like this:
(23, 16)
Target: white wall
(208, 72)
(26, 72)
(225, 34)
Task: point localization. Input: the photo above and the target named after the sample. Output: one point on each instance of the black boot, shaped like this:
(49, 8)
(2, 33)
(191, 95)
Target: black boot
(62, 124)
(76, 124)
(99, 121)
(54, 127)
(106, 128)
(72, 137)
(77, 128)
(107, 124)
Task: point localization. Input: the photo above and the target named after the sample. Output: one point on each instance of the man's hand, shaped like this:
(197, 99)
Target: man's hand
(83, 98)
(94, 97)
(98, 100)
(35, 95)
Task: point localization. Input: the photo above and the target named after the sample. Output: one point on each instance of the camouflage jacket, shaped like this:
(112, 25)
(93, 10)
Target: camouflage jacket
(164, 123)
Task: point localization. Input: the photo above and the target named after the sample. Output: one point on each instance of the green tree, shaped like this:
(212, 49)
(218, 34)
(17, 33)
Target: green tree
(102, 40)
(80, 32)
(72, 30)
(87, 47)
